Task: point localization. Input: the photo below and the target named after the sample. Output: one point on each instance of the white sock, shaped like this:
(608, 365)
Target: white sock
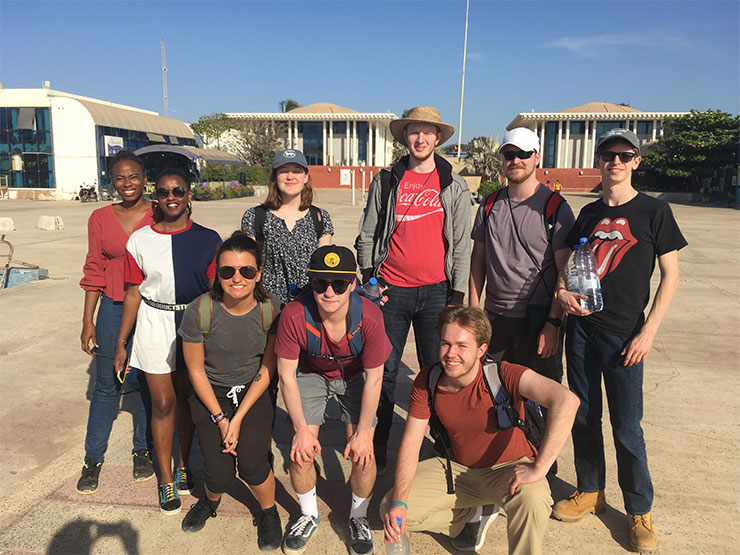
(308, 503)
(359, 506)
(478, 515)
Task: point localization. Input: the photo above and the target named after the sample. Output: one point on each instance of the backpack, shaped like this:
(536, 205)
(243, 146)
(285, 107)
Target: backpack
(205, 313)
(313, 329)
(532, 423)
(260, 215)
(552, 207)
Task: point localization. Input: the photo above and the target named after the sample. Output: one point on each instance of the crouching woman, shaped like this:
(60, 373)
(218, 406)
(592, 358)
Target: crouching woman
(231, 362)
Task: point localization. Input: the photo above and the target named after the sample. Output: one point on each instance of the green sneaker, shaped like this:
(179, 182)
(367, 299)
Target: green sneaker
(169, 500)
(183, 480)
(88, 481)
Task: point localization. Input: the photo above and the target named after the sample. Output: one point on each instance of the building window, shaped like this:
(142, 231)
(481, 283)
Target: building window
(604, 126)
(340, 127)
(25, 148)
(644, 127)
(577, 127)
(362, 127)
(550, 150)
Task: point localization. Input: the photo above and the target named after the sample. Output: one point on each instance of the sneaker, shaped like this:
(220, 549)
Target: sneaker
(296, 539)
(196, 518)
(269, 529)
(579, 505)
(88, 481)
(169, 500)
(642, 535)
(143, 467)
(361, 537)
(473, 535)
(183, 480)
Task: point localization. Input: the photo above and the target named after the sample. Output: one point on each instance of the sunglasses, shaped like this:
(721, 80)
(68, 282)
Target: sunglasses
(338, 285)
(522, 155)
(178, 191)
(247, 272)
(624, 157)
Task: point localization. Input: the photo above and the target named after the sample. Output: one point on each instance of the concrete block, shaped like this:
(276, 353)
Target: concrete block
(19, 276)
(50, 223)
(6, 224)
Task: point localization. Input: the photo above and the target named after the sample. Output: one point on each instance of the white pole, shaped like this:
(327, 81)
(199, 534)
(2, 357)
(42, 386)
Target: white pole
(462, 89)
(353, 186)
(164, 79)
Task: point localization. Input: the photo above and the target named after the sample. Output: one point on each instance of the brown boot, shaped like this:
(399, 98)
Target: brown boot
(579, 505)
(642, 535)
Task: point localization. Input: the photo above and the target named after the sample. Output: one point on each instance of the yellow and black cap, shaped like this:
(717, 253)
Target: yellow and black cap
(332, 262)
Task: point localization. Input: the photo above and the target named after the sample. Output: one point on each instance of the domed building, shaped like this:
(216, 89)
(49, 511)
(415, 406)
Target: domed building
(568, 137)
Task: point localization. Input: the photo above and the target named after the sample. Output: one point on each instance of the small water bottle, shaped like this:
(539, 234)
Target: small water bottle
(293, 291)
(588, 278)
(371, 291)
(401, 547)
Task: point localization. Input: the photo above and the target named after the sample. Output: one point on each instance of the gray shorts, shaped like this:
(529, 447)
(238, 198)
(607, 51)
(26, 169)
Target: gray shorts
(316, 390)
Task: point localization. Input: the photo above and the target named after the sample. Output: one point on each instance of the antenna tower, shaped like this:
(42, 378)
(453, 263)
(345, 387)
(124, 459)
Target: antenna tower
(164, 78)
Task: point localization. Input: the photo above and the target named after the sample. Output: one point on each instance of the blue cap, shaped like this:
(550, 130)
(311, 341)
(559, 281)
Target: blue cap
(583, 240)
(289, 156)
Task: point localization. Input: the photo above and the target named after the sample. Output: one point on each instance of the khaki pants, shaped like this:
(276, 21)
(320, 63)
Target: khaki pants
(431, 509)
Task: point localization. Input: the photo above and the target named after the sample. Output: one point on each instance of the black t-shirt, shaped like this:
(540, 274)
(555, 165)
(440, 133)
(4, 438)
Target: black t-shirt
(625, 241)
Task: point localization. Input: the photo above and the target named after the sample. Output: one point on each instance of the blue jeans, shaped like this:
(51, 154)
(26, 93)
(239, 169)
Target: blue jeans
(590, 354)
(107, 391)
(407, 305)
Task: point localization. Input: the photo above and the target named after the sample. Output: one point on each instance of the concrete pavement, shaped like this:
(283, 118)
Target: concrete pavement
(691, 422)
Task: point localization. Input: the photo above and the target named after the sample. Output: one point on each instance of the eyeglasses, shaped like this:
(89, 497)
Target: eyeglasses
(178, 191)
(609, 155)
(247, 272)
(509, 155)
(338, 285)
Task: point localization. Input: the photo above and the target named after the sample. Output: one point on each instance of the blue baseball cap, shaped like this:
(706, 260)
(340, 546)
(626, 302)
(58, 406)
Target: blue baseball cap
(289, 156)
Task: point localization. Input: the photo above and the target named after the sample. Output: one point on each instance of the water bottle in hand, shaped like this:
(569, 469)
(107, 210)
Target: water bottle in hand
(571, 276)
(372, 291)
(401, 547)
(588, 278)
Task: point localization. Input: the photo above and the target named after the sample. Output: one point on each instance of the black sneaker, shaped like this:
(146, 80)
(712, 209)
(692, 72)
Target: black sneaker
(183, 480)
(361, 537)
(143, 467)
(269, 529)
(296, 539)
(169, 500)
(196, 518)
(473, 535)
(88, 481)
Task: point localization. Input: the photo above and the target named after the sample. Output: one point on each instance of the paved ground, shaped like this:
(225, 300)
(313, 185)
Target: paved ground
(692, 421)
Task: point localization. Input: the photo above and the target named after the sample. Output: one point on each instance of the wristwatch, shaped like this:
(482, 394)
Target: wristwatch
(554, 321)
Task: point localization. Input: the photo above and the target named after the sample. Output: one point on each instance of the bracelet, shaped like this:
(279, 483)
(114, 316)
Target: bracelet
(121, 341)
(400, 503)
(216, 418)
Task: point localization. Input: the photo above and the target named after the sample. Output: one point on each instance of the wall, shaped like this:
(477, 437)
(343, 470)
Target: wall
(75, 151)
(328, 177)
(572, 179)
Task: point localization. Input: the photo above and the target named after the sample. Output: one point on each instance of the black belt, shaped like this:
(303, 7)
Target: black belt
(164, 306)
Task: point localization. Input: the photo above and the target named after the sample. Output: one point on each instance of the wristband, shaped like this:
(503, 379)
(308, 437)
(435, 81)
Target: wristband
(216, 418)
(120, 341)
(400, 503)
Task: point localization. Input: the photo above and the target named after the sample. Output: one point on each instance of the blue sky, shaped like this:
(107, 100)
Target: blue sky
(377, 56)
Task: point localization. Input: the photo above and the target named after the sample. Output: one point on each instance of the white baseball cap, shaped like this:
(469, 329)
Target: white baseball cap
(521, 137)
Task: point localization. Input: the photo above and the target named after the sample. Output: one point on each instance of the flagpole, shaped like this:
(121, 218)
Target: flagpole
(462, 89)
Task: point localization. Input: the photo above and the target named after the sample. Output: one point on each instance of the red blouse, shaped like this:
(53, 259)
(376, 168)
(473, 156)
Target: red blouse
(106, 252)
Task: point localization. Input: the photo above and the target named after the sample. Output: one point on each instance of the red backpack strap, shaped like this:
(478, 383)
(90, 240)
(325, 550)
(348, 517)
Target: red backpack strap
(554, 202)
(489, 202)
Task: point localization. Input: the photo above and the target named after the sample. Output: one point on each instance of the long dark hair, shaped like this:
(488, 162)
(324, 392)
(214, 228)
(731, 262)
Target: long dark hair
(275, 199)
(239, 242)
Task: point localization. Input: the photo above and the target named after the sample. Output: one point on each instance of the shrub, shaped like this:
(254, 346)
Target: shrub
(488, 187)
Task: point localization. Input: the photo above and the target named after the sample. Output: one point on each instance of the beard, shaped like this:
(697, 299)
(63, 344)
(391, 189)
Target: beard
(519, 175)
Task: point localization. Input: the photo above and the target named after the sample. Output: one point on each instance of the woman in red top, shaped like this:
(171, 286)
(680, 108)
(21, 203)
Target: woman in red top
(108, 231)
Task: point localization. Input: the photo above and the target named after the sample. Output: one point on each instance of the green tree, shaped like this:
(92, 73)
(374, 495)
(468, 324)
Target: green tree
(694, 146)
(210, 127)
(288, 104)
(257, 141)
(483, 158)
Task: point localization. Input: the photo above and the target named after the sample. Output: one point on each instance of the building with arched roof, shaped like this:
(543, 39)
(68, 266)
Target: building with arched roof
(568, 137)
(52, 141)
(331, 135)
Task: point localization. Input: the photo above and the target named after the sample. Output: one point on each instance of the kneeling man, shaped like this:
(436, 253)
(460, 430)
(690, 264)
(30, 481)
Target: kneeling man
(491, 465)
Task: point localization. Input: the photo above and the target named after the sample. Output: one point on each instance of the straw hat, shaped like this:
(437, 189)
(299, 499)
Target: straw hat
(421, 114)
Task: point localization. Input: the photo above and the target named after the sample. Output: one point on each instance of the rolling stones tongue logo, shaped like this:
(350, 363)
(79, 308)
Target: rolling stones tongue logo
(610, 241)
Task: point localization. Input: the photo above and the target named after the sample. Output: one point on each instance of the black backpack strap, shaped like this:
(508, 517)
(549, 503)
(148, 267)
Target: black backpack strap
(438, 431)
(385, 193)
(260, 215)
(318, 223)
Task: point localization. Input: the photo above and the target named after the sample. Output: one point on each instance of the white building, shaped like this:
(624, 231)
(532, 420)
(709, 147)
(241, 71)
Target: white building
(568, 137)
(54, 141)
(330, 135)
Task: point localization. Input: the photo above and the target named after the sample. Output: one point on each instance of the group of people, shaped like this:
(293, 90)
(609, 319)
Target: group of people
(212, 330)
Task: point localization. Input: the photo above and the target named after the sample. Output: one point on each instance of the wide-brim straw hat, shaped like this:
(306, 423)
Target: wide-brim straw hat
(421, 114)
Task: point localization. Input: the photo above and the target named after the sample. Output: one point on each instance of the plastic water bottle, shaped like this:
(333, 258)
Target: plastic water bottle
(571, 278)
(372, 291)
(401, 547)
(588, 278)
(293, 290)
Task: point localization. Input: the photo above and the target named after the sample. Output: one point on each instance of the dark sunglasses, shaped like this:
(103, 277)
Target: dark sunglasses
(522, 155)
(247, 272)
(178, 191)
(338, 285)
(609, 155)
